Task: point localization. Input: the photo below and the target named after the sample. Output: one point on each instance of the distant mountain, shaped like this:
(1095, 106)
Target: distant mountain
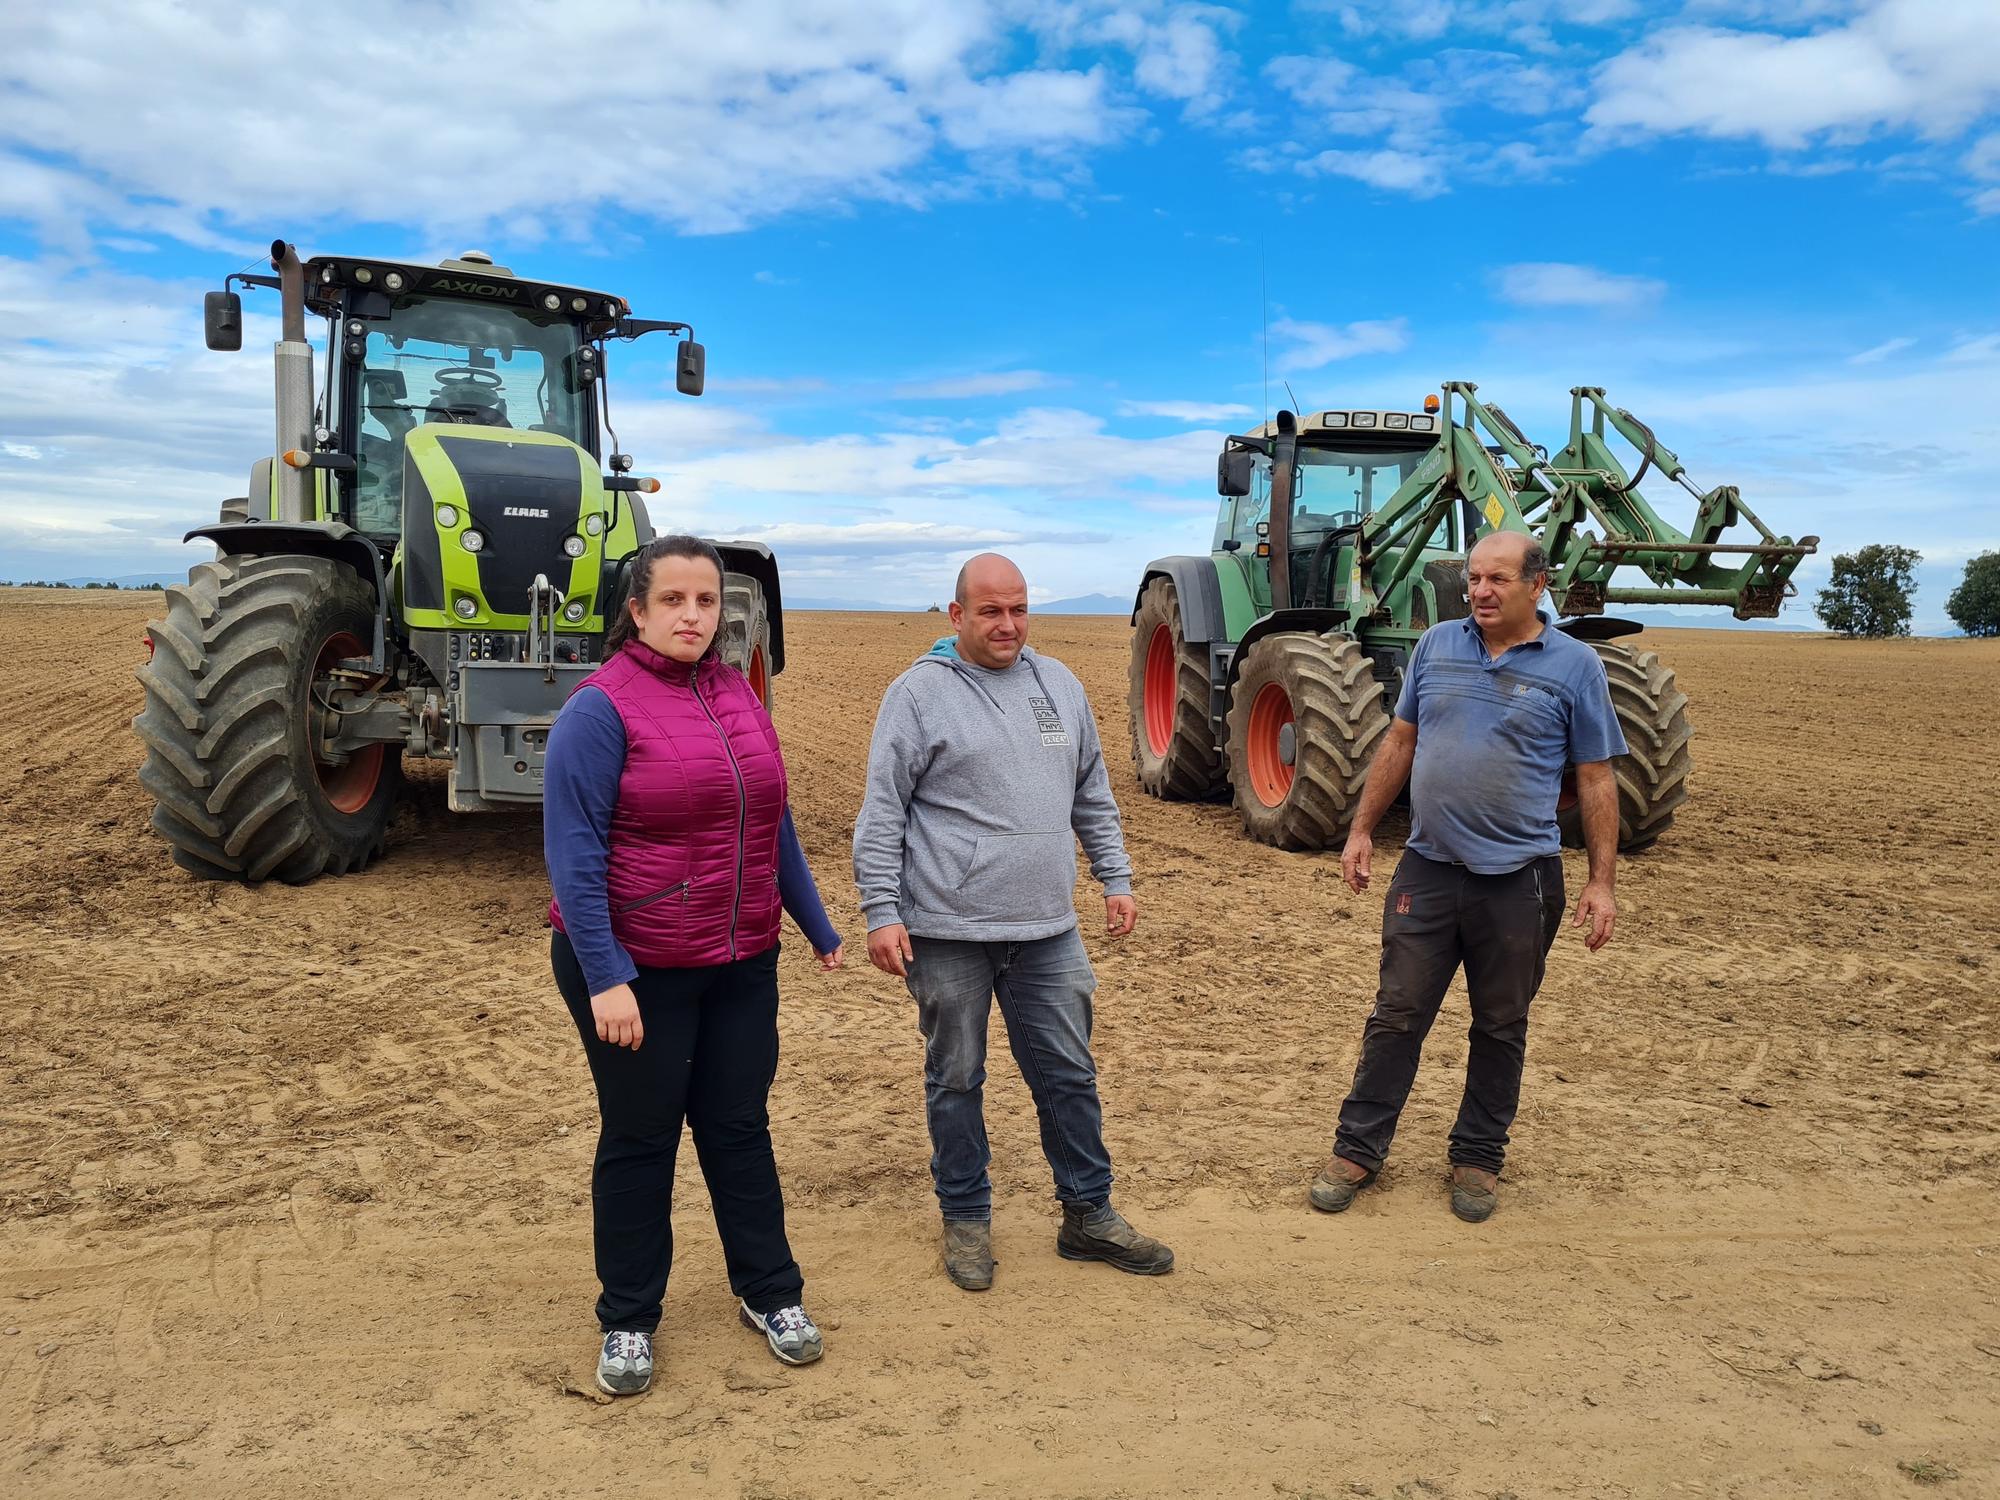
(808, 601)
(1716, 618)
(1087, 604)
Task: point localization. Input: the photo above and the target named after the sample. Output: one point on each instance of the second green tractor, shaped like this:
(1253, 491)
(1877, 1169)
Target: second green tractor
(1268, 669)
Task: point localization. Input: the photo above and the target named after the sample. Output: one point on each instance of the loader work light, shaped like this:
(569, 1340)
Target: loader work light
(1395, 419)
(393, 281)
(552, 302)
(363, 275)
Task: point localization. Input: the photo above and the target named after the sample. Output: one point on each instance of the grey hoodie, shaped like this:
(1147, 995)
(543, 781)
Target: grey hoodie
(980, 784)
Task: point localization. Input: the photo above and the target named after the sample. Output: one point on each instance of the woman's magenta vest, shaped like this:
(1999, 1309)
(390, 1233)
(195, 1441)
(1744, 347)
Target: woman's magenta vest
(693, 874)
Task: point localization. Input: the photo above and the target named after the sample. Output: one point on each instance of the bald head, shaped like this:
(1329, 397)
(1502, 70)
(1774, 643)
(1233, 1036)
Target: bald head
(990, 612)
(987, 573)
(1505, 574)
(1511, 549)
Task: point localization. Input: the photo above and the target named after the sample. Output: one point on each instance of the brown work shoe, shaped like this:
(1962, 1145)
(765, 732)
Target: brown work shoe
(968, 1253)
(1474, 1193)
(1102, 1234)
(1337, 1184)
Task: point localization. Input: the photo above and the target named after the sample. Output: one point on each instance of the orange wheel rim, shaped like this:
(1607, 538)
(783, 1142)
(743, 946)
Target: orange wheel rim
(1161, 689)
(351, 785)
(760, 677)
(1270, 712)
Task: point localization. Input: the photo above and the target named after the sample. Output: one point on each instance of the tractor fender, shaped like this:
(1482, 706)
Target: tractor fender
(1598, 628)
(754, 560)
(1286, 621)
(1200, 594)
(329, 539)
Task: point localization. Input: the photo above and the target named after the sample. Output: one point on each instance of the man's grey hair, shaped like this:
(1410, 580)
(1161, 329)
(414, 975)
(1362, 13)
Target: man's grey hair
(1534, 562)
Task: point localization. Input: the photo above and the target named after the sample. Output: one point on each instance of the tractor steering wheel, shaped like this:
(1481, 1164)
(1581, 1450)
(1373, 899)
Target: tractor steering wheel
(457, 377)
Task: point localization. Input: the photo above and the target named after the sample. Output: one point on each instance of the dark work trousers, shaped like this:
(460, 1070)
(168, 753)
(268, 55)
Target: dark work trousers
(1434, 918)
(708, 1056)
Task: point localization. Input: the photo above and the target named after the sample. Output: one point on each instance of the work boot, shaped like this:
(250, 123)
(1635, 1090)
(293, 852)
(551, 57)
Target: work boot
(968, 1253)
(1102, 1234)
(1337, 1184)
(1474, 1193)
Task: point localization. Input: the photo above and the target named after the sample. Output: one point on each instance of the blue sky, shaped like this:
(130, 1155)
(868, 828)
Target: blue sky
(1004, 274)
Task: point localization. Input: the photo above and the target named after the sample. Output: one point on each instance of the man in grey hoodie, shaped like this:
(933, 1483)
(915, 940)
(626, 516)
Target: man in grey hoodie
(984, 773)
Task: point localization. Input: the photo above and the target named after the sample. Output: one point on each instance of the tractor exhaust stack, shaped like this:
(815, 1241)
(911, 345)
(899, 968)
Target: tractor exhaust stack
(293, 359)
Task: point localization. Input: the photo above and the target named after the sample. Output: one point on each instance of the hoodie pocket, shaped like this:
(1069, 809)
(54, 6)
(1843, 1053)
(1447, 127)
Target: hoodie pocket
(1019, 877)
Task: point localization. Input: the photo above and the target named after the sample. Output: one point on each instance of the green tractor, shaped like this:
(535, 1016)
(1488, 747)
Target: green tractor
(425, 566)
(1270, 667)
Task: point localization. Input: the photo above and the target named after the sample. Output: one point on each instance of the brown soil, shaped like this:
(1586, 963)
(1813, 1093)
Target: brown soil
(295, 1180)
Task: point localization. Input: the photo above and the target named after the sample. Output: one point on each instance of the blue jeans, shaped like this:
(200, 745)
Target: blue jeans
(1044, 989)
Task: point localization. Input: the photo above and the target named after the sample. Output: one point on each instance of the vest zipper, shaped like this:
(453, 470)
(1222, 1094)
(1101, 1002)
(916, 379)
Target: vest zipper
(680, 890)
(742, 811)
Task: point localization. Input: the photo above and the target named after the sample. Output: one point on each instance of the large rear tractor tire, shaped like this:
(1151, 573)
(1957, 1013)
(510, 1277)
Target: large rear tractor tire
(1652, 776)
(239, 677)
(746, 632)
(1305, 716)
(1173, 744)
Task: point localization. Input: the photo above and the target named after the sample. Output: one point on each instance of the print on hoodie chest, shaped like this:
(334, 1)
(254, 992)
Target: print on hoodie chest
(1048, 721)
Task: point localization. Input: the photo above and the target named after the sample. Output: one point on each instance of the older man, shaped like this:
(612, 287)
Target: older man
(984, 773)
(1494, 709)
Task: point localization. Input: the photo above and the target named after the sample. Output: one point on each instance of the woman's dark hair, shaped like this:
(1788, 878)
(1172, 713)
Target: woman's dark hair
(622, 629)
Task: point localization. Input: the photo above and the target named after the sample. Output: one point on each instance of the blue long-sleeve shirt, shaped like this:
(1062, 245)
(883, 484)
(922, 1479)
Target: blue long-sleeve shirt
(586, 757)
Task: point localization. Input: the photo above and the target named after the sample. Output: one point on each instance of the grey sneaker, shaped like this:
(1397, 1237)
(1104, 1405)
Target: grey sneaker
(625, 1368)
(968, 1254)
(793, 1336)
(1102, 1234)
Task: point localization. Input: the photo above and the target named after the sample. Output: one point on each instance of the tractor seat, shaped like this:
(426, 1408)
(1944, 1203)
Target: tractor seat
(467, 413)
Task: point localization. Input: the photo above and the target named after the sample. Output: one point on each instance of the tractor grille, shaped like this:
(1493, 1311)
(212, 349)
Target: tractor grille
(526, 497)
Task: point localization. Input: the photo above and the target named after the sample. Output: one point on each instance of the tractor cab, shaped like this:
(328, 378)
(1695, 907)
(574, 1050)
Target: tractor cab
(1345, 465)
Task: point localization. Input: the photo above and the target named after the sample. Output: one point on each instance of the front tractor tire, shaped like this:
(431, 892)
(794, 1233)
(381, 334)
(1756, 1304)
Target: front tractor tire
(746, 632)
(1652, 775)
(1305, 716)
(1173, 744)
(239, 678)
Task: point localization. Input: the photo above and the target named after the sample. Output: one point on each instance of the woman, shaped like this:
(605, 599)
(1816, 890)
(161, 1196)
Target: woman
(670, 849)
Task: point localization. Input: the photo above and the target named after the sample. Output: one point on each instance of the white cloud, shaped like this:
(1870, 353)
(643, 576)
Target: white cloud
(1880, 352)
(1313, 345)
(201, 121)
(1559, 284)
(1928, 65)
(966, 387)
(1419, 174)
(1186, 411)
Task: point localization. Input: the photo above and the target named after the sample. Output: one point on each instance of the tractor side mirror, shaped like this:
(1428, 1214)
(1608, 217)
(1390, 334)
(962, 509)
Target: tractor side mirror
(222, 320)
(1233, 471)
(692, 371)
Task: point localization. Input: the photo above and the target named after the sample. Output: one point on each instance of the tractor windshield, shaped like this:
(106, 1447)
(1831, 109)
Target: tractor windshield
(1337, 488)
(444, 359)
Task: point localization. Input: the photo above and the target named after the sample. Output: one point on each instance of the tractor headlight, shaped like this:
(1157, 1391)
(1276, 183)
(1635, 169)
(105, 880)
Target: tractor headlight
(447, 516)
(393, 281)
(594, 525)
(573, 545)
(363, 275)
(466, 607)
(573, 611)
(552, 302)
(578, 304)
(472, 541)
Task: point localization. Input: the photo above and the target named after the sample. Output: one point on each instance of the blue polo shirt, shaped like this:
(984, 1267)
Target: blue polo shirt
(1494, 737)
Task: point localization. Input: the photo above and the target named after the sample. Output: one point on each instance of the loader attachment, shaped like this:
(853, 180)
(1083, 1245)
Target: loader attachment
(1590, 515)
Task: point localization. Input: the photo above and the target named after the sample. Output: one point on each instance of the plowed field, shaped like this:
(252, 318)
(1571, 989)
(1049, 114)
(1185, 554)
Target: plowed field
(294, 1195)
